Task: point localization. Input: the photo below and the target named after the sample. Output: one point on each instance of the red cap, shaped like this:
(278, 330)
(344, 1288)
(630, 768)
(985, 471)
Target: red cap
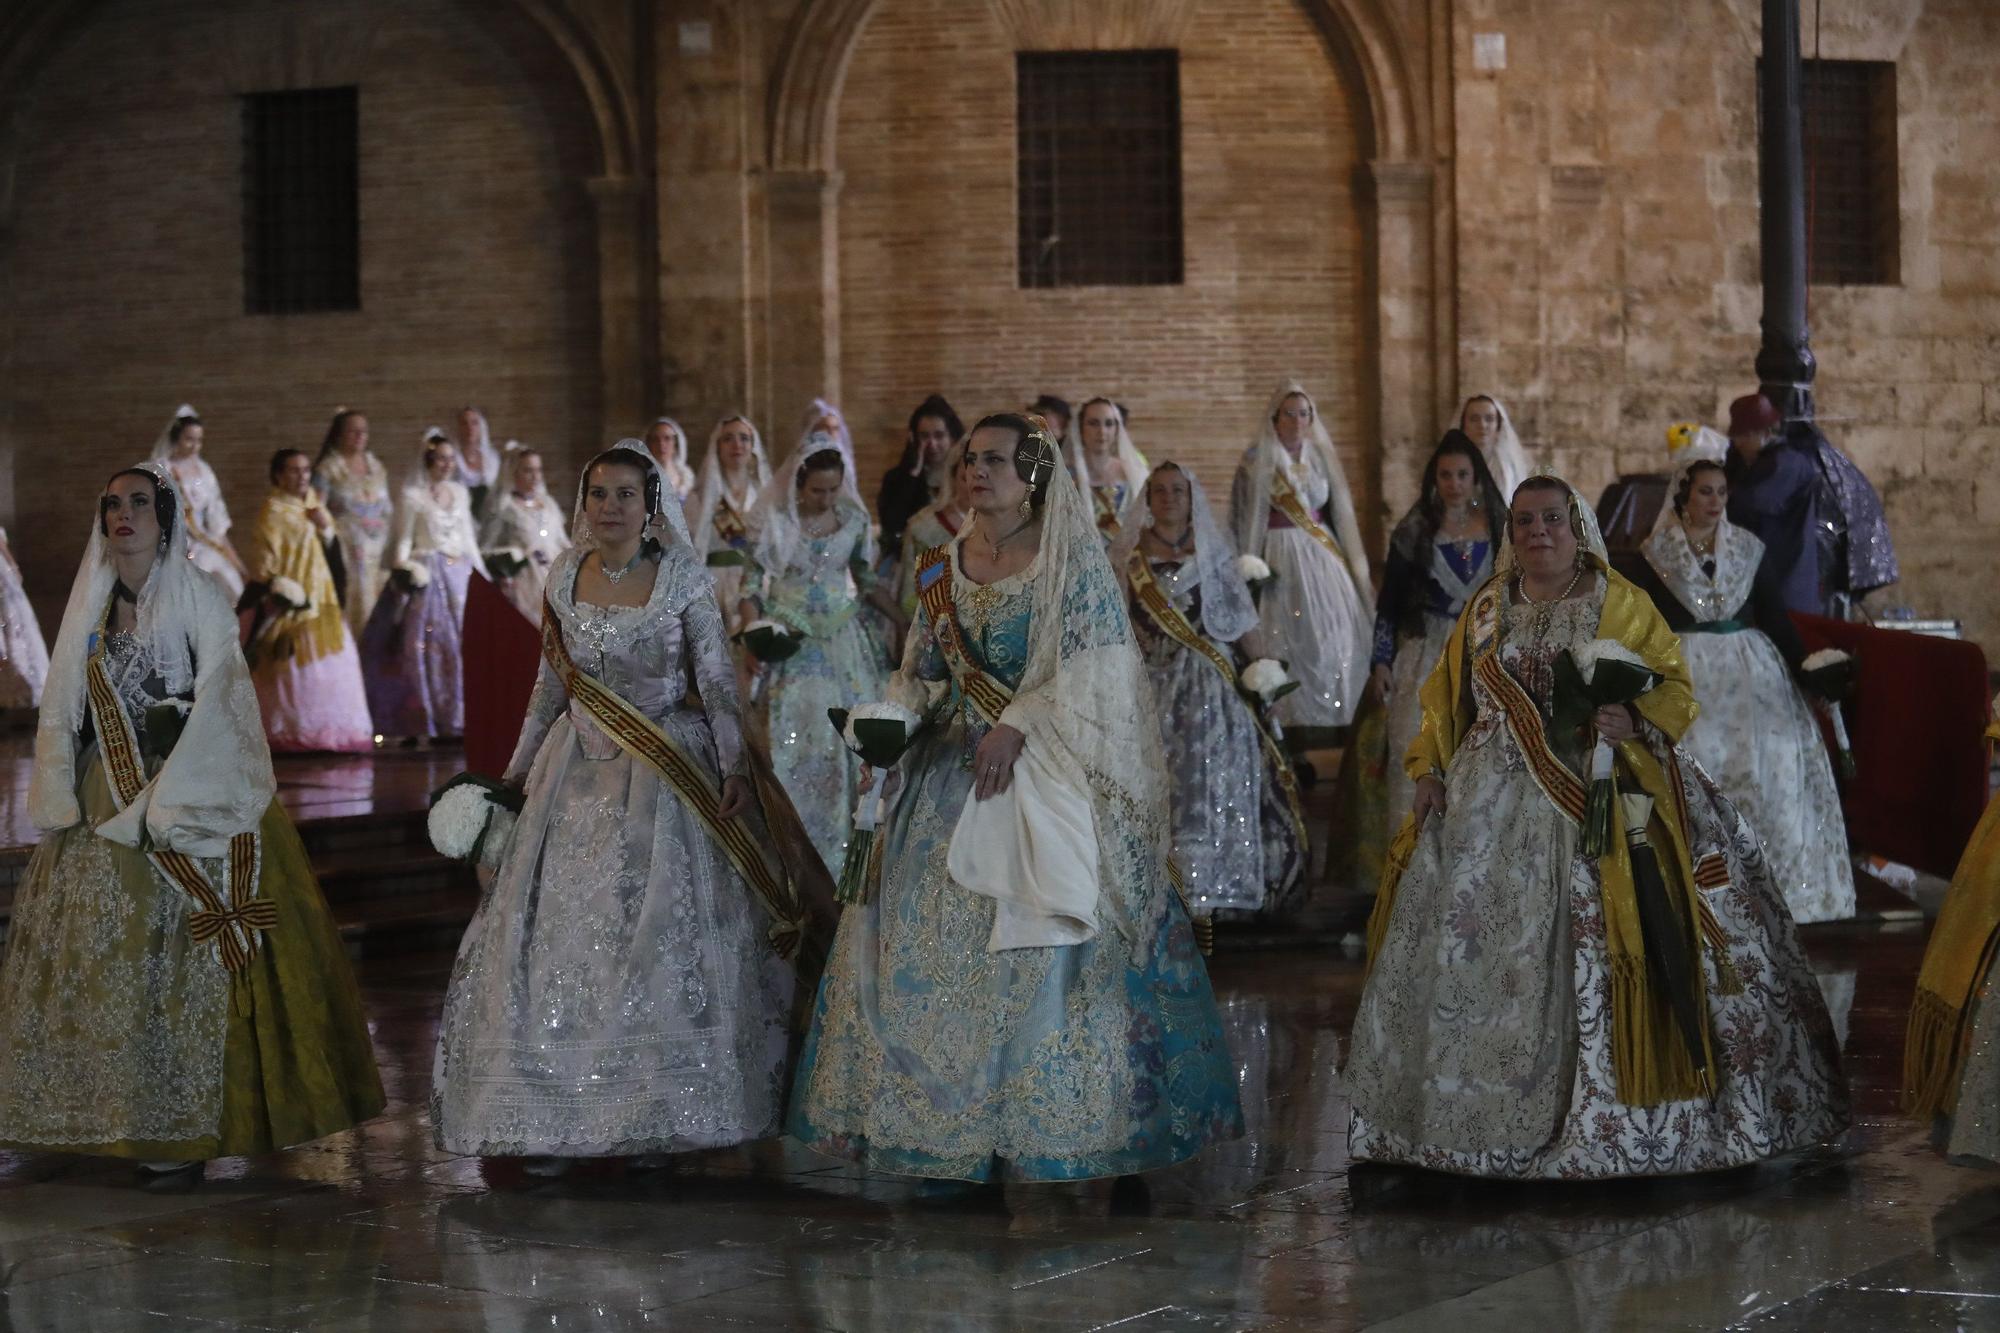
(1752, 414)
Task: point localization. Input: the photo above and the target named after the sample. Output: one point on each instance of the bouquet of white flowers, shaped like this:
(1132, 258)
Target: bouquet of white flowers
(472, 817)
(1266, 681)
(288, 594)
(411, 577)
(1255, 572)
(1601, 673)
(1829, 673)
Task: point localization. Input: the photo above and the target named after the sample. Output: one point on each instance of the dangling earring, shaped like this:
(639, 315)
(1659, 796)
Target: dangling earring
(1028, 508)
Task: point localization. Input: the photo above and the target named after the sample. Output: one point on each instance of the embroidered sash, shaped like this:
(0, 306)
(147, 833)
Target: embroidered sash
(1159, 608)
(641, 738)
(729, 524)
(1285, 499)
(1104, 500)
(232, 923)
(988, 695)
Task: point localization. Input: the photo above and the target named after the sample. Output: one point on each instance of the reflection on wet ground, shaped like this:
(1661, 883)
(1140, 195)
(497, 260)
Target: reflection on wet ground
(378, 1230)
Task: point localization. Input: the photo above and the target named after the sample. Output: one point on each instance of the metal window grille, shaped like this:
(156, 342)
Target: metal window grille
(1100, 168)
(301, 201)
(1847, 110)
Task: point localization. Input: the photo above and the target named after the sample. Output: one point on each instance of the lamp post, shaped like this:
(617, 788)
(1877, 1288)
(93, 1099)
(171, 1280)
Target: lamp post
(1785, 365)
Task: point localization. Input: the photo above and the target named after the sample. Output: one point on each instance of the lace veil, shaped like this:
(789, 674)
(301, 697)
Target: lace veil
(678, 475)
(708, 484)
(1227, 610)
(670, 510)
(776, 536)
(1582, 522)
(179, 607)
(163, 443)
(1507, 458)
(1252, 501)
(1136, 467)
(1085, 703)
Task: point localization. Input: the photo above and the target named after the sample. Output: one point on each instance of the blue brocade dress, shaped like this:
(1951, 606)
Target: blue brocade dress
(931, 1056)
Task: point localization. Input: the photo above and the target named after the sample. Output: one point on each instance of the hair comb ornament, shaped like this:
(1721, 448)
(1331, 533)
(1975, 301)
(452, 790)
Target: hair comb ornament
(1036, 456)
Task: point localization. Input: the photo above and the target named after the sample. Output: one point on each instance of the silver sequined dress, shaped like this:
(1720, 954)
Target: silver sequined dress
(616, 992)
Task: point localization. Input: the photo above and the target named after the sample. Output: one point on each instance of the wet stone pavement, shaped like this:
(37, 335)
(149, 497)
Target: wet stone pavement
(376, 1229)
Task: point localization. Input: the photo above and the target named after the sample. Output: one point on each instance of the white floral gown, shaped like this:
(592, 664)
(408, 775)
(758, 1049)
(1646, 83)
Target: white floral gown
(533, 526)
(1482, 1044)
(616, 991)
(209, 522)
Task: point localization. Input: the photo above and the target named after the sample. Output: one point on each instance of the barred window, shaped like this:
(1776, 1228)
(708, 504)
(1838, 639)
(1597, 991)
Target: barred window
(1100, 168)
(1847, 112)
(301, 201)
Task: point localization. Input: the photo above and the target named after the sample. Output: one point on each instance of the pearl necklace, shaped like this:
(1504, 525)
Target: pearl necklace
(1538, 619)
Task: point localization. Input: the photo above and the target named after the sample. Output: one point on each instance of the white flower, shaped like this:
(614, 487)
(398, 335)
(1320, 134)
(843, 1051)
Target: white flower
(1825, 657)
(1264, 677)
(882, 712)
(457, 819)
(289, 592)
(514, 553)
(1252, 569)
(418, 576)
(1604, 650)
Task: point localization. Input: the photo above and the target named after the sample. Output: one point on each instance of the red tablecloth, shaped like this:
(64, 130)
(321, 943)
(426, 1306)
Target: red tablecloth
(503, 651)
(1916, 722)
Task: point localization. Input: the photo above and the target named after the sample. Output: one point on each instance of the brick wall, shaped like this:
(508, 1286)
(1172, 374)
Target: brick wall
(123, 262)
(1608, 255)
(928, 297)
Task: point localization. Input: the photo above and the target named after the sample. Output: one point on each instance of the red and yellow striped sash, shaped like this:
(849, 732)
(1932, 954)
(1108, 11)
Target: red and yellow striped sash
(988, 695)
(1286, 500)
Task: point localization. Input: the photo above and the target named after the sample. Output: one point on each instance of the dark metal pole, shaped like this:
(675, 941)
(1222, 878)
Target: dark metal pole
(1785, 364)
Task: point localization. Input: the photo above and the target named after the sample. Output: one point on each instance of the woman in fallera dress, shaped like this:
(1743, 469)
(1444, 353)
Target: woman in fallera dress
(668, 444)
(24, 655)
(303, 662)
(734, 472)
(1536, 1011)
(1107, 465)
(1290, 506)
(174, 988)
(1756, 734)
(478, 462)
(1239, 834)
(413, 651)
(179, 447)
(1485, 421)
(524, 517)
(931, 527)
(814, 562)
(624, 986)
(1081, 1038)
(355, 486)
(1441, 551)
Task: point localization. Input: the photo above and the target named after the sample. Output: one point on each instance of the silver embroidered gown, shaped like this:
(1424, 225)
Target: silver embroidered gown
(1483, 1042)
(1233, 837)
(616, 991)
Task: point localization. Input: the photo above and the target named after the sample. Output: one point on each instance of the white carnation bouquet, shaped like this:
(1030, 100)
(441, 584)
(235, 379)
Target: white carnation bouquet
(412, 577)
(1830, 674)
(472, 818)
(1267, 681)
(1598, 675)
(1253, 571)
(288, 594)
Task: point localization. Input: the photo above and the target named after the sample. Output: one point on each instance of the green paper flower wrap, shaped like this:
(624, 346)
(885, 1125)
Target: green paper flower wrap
(1602, 673)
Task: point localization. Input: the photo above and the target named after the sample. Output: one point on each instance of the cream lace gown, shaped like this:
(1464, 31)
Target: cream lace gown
(616, 992)
(1313, 617)
(1483, 1041)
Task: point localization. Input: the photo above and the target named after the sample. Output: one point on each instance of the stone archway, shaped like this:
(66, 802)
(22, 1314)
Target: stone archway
(1406, 207)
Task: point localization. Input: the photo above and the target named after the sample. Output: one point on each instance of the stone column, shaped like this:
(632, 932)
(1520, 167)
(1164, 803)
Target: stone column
(802, 221)
(623, 355)
(1399, 230)
(1785, 366)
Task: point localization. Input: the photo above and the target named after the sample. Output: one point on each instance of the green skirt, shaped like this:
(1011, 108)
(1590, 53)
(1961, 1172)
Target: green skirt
(120, 1035)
